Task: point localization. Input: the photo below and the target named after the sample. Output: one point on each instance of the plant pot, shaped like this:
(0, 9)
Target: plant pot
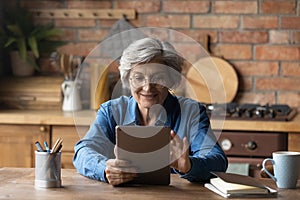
(21, 67)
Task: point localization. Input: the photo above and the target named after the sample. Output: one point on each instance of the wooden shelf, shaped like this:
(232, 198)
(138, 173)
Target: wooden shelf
(84, 13)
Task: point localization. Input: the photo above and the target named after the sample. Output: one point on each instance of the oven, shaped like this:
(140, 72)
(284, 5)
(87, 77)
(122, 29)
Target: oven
(251, 148)
(247, 149)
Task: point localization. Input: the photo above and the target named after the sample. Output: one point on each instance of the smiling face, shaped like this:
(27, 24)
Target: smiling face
(148, 84)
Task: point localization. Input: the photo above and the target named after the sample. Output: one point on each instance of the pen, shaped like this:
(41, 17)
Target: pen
(39, 147)
(46, 146)
(59, 148)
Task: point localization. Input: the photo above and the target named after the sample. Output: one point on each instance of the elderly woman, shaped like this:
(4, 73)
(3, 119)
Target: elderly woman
(149, 68)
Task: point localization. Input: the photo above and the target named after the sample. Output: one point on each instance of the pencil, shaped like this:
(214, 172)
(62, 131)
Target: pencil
(56, 145)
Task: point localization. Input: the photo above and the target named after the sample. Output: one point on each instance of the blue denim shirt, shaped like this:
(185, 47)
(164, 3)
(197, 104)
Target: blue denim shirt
(185, 116)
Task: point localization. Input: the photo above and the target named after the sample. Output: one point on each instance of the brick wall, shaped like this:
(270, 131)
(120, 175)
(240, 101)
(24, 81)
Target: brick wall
(260, 38)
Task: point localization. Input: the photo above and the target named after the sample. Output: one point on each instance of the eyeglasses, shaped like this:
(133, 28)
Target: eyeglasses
(139, 80)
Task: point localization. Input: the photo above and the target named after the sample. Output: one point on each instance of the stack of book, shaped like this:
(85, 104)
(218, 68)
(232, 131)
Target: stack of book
(235, 185)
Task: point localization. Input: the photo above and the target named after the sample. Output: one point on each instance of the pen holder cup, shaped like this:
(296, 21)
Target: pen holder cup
(47, 169)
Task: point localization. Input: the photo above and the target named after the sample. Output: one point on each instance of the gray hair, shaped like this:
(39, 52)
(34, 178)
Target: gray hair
(143, 51)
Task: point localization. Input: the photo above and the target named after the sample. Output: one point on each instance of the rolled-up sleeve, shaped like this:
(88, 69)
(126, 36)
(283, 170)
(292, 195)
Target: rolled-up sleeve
(206, 155)
(92, 151)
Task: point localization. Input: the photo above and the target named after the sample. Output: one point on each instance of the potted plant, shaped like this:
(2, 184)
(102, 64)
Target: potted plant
(27, 40)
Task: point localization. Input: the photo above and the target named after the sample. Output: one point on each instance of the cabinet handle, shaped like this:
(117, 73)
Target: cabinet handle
(43, 128)
(26, 98)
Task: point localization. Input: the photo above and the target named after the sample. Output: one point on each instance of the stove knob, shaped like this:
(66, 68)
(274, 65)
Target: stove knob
(226, 144)
(259, 113)
(272, 113)
(248, 113)
(251, 145)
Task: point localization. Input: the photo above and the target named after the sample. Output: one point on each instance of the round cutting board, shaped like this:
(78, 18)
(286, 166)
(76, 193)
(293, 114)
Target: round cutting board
(211, 80)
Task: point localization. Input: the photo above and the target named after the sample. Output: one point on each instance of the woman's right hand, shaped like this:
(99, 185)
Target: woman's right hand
(119, 171)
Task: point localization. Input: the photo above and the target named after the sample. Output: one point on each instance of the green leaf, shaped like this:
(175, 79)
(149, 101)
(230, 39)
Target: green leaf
(33, 46)
(22, 34)
(46, 34)
(22, 48)
(9, 42)
(15, 30)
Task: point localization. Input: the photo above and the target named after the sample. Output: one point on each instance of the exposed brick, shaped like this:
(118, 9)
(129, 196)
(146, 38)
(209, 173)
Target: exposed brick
(42, 21)
(290, 22)
(244, 37)
(233, 51)
(106, 23)
(89, 4)
(140, 6)
(296, 37)
(75, 23)
(219, 22)
(278, 7)
(290, 69)
(256, 97)
(279, 37)
(157, 32)
(235, 28)
(188, 6)
(69, 35)
(256, 68)
(290, 98)
(80, 49)
(262, 22)
(245, 83)
(235, 7)
(169, 21)
(278, 84)
(41, 4)
(192, 52)
(137, 22)
(277, 53)
(197, 35)
(92, 35)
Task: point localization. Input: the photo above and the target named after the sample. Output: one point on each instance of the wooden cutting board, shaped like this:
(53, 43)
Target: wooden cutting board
(211, 80)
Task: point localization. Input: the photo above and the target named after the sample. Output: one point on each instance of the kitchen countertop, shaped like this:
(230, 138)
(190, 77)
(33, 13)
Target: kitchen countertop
(47, 117)
(86, 117)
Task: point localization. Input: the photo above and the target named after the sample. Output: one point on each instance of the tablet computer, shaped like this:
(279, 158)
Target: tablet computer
(147, 148)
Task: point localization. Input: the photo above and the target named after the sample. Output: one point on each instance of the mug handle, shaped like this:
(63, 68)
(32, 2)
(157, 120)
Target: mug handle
(264, 167)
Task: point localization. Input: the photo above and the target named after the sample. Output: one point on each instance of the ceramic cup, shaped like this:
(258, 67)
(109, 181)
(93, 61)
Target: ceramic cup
(47, 169)
(286, 165)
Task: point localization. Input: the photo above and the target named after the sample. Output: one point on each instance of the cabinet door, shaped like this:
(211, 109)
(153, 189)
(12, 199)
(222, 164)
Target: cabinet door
(70, 137)
(294, 142)
(17, 144)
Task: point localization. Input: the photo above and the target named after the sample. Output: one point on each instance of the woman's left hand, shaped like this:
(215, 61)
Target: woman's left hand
(179, 152)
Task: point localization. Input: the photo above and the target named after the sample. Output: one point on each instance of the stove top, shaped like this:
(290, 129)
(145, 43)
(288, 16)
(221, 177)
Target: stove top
(276, 112)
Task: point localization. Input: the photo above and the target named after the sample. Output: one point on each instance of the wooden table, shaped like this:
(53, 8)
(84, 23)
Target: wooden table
(18, 183)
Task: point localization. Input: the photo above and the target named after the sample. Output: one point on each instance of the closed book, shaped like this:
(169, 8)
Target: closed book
(233, 185)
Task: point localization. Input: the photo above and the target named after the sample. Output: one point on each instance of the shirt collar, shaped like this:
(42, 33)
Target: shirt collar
(132, 116)
(131, 112)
